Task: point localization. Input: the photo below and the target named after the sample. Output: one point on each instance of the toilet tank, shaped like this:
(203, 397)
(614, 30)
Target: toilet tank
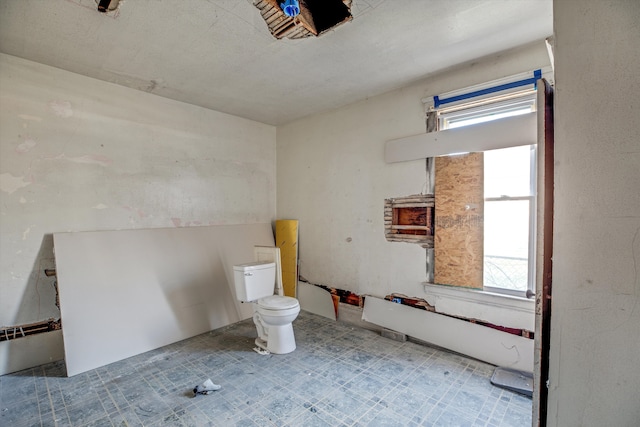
(254, 280)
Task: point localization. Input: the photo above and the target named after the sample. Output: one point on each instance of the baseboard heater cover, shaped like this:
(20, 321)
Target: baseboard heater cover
(482, 343)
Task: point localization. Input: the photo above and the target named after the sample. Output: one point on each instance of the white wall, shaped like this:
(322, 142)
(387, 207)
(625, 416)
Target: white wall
(333, 178)
(595, 344)
(78, 154)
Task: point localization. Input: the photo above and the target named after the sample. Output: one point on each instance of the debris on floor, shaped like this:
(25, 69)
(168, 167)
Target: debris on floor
(514, 380)
(206, 387)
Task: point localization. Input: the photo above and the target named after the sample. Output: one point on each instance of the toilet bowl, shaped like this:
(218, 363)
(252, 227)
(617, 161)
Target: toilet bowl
(273, 314)
(276, 314)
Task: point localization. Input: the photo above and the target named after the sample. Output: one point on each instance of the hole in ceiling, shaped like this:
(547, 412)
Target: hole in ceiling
(105, 6)
(316, 17)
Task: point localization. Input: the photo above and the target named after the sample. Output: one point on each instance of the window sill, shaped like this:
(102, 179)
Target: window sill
(499, 309)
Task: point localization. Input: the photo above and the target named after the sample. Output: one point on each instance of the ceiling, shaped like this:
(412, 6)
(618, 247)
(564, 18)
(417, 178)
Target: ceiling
(219, 54)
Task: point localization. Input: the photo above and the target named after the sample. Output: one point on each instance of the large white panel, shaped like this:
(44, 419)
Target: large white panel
(316, 300)
(502, 133)
(480, 342)
(126, 292)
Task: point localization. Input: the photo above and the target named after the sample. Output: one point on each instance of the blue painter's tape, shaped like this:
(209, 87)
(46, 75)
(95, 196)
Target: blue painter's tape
(537, 74)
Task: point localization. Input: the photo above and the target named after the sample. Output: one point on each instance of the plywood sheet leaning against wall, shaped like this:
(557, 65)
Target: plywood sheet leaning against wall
(287, 241)
(459, 212)
(126, 292)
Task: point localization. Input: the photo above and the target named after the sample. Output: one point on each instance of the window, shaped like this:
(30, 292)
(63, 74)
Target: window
(509, 219)
(509, 196)
(466, 115)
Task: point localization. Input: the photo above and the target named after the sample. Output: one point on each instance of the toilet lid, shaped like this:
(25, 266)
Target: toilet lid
(277, 302)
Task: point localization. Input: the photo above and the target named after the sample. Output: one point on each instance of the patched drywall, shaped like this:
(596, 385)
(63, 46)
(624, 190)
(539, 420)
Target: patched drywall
(595, 309)
(78, 154)
(333, 178)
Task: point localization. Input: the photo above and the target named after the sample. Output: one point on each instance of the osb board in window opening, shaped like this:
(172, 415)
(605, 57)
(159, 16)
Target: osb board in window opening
(459, 212)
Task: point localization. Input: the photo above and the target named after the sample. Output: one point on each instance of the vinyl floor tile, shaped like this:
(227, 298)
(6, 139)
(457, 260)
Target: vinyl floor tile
(339, 375)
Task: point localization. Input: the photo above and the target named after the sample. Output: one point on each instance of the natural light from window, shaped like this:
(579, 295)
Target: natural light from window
(509, 199)
(508, 213)
(473, 121)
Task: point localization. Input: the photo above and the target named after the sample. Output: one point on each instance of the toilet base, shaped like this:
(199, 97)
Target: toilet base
(280, 340)
(260, 343)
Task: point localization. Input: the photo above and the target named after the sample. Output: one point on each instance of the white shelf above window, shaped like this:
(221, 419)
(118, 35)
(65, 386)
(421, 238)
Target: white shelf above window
(502, 133)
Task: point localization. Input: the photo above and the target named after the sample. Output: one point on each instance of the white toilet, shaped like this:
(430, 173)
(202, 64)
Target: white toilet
(272, 313)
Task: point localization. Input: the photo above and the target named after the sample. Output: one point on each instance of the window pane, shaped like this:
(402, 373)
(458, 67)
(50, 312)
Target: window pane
(507, 172)
(471, 113)
(506, 244)
(453, 123)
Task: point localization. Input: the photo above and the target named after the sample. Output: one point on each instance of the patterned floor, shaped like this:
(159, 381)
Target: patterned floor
(339, 375)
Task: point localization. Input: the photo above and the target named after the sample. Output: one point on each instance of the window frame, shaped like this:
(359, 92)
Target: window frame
(492, 108)
(531, 244)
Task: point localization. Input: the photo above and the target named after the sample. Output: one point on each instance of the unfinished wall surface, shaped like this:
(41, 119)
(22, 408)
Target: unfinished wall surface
(595, 314)
(78, 154)
(333, 178)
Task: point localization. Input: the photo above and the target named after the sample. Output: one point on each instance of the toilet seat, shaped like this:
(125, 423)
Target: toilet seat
(277, 303)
